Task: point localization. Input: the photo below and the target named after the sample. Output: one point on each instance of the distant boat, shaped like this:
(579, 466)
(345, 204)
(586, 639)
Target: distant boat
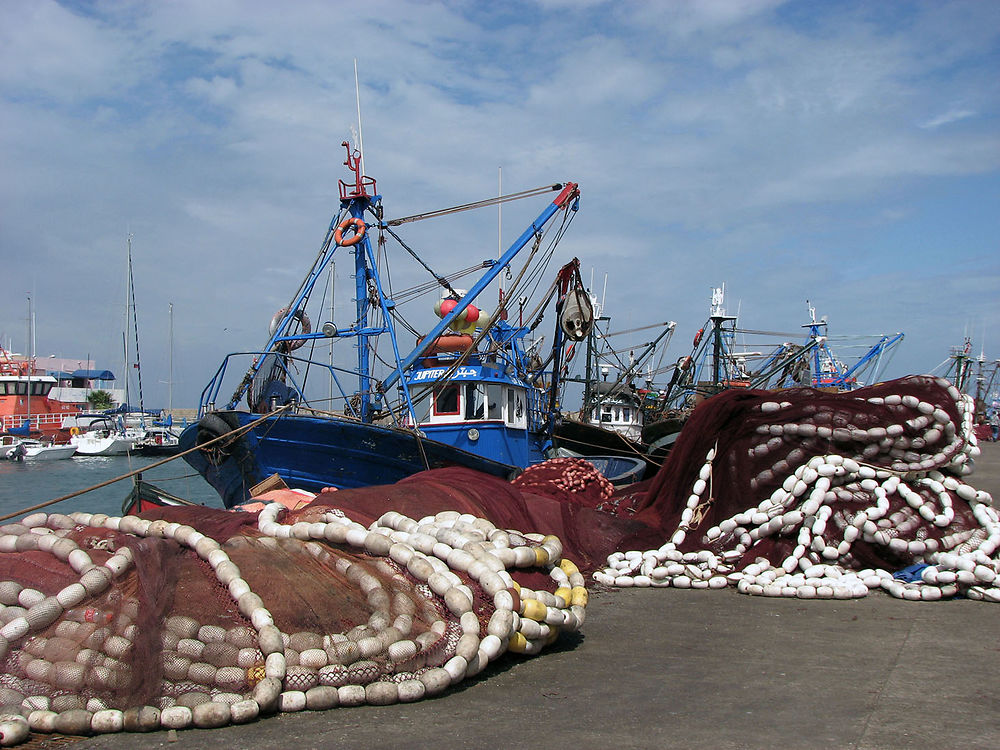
(611, 419)
(24, 395)
(107, 437)
(159, 440)
(29, 449)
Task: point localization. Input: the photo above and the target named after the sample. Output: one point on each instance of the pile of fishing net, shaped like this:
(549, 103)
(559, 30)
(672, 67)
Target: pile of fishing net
(809, 494)
(197, 617)
(569, 480)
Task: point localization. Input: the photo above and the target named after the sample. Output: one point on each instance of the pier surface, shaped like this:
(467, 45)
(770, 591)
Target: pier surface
(669, 668)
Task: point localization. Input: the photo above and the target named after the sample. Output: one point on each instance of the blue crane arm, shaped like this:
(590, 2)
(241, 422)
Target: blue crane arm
(569, 193)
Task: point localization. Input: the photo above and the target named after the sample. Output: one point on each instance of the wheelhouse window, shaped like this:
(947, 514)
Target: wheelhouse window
(494, 402)
(515, 408)
(446, 400)
(475, 401)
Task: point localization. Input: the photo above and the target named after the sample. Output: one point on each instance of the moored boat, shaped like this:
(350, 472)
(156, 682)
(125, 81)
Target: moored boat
(159, 440)
(29, 449)
(24, 399)
(474, 391)
(107, 437)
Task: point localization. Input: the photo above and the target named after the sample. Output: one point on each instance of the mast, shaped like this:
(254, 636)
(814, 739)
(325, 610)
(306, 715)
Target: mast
(356, 205)
(30, 348)
(718, 317)
(500, 236)
(170, 359)
(130, 299)
(333, 309)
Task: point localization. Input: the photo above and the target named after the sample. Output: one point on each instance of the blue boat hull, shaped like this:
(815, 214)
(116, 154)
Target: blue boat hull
(312, 453)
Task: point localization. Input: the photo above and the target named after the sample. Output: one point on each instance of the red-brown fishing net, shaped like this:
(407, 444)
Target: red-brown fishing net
(199, 617)
(808, 493)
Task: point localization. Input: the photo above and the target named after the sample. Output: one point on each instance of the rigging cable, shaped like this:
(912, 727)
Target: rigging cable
(477, 204)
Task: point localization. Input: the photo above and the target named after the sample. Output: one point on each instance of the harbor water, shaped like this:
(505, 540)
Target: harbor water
(27, 484)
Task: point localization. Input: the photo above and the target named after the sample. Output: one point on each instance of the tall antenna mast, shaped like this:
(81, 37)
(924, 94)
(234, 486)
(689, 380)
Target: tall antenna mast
(357, 97)
(499, 233)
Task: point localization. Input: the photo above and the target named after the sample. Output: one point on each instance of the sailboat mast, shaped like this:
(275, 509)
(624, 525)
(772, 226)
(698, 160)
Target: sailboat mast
(135, 323)
(170, 359)
(30, 349)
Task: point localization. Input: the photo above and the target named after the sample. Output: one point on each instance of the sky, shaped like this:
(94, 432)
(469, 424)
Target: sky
(844, 153)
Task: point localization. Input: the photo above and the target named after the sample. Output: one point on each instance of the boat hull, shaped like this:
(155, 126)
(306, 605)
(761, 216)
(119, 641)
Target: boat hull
(50, 452)
(110, 446)
(586, 440)
(33, 450)
(313, 453)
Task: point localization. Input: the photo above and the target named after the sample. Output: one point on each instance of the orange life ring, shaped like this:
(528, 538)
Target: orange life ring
(697, 337)
(74, 430)
(351, 222)
(686, 364)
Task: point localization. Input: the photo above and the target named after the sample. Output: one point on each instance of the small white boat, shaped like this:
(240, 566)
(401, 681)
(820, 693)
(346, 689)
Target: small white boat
(28, 449)
(105, 440)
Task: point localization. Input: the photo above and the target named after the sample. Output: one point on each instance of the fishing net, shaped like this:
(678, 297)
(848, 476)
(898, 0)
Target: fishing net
(816, 495)
(200, 617)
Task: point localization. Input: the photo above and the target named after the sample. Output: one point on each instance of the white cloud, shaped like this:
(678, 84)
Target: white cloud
(946, 118)
(757, 143)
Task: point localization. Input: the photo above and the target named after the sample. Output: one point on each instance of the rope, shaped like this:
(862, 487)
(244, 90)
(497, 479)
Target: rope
(437, 277)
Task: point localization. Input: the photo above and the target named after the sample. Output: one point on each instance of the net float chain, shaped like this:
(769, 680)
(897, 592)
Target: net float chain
(237, 674)
(964, 560)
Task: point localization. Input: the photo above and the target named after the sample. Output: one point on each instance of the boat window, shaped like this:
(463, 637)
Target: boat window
(626, 414)
(3, 389)
(494, 402)
(21, 388)
(421, 406)
(446, 400)
(475, 401)
(515, 407)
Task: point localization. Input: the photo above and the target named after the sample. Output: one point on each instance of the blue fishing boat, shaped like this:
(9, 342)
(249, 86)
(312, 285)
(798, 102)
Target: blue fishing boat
(476, 390)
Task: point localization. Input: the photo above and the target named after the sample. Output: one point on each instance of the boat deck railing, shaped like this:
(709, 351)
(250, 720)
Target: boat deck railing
(38, 421)
(294, 372)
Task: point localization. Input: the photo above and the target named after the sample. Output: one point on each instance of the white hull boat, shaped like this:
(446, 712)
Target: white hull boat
(100, 443)
(35, 450)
